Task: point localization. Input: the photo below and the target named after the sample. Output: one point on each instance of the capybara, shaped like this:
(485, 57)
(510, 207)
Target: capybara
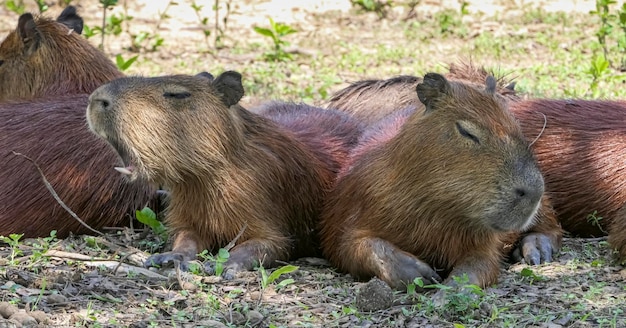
(371, 101)
(44, 57)
(78, 165)
(227, 169)
(46, 73)
(439, 195)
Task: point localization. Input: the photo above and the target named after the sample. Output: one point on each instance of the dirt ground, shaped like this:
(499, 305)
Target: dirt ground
(99, 282)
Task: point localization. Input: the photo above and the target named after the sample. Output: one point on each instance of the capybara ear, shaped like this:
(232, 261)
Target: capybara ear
(433, 87)
(206, 75)
(229, 85)
(70, 19)
(28, 33)
(490, 84)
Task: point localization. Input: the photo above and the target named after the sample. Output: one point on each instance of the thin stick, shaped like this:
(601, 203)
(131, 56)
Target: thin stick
(56, 196)
(234, 241)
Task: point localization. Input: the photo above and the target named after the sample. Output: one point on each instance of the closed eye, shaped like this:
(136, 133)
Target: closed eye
(177, 95)
(1, 62)
(467, 134)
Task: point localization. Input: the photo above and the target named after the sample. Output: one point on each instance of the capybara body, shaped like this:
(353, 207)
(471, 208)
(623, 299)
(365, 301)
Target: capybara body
(227, 169)
(78, 166)
(376, 101)
(45, 57)
(46, 73)
(440, 196)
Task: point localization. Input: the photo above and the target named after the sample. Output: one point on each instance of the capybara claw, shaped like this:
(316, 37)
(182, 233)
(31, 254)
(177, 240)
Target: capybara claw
(168, 259)
(535, 248)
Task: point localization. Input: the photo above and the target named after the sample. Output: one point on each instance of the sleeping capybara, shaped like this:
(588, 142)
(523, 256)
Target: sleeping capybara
(371, 101)
(227, 169)
(78, 165)
(43, 57)
(436, 196)
(45, 72)
(580, 146)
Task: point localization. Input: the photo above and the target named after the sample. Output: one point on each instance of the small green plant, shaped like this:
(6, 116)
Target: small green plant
(106, 4)
(621, 42)
(13, 240)
(41, 246)
(599, 67)
(204, 21)
(266, 279)
(123, 65)
(15, 6)
(604, 13)
(149, 218)
(380, 7)
(42, 5)
(216, 260)
(595, 220)
(529, 274)
(277, 32)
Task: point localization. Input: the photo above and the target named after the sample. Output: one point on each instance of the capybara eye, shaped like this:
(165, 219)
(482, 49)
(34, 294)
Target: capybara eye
(1, 62)
(466, 133)
(177, 95)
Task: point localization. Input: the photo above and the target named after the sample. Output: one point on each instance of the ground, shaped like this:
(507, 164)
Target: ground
(547, 46)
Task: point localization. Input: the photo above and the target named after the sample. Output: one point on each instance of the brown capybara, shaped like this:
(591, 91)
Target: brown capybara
(46, 69)
(227, 169)
(78, 165)
(437, 198)
(43, 57)
(371, 101)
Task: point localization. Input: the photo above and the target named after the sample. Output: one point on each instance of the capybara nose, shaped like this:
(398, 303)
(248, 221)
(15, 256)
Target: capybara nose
(100, 104)
(99, 100)
(530, 187)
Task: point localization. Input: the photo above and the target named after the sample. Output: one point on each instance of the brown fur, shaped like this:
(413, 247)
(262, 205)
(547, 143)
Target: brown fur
(226, 168)
(375, 101)
(439, 196)
(44, 57)
(78, 165)
(54, 68)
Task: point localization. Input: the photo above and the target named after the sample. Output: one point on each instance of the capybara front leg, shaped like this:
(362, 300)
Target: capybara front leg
(378, 257)
(617, 233)
(481, 270)
(249, 255)
(185, 249)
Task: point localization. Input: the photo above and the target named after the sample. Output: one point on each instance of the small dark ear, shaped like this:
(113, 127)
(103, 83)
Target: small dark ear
(206, 75)
(433, 87)
(511, 86)
(29, 33)
(229, 85)
(70, 19)
(490, 84)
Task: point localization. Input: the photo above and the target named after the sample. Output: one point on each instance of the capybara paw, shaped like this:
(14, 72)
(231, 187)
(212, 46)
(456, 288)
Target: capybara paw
(400, 276)
(229, 270)
(168, 259)
(535, 248)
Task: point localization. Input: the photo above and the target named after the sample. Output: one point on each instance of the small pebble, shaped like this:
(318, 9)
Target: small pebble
(7, 309)
(25, 319)
(206, 323)
(374, 295)
(254, 317)
(39, 315)
(236, 318)
(56, 299)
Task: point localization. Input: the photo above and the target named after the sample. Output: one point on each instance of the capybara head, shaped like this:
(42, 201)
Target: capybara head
(131, 113)
(45, 57)
(471, 155)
